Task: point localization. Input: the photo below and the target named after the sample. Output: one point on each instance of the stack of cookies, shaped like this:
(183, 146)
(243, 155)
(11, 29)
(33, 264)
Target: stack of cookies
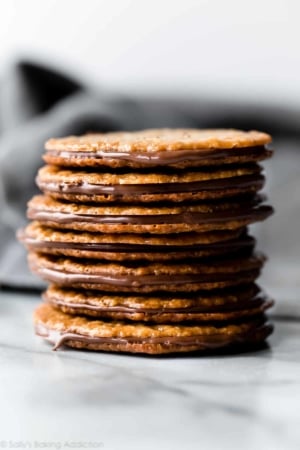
(144, 240)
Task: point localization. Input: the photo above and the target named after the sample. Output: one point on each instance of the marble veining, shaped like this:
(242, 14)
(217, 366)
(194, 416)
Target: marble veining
(76, 399)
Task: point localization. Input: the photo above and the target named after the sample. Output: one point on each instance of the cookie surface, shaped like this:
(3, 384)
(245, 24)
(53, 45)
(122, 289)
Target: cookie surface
(159, 147)
(79, 332)
(146, 277)
(178, 186)
(143, 237)
(224, 305)
(121, 247)
(147, 219)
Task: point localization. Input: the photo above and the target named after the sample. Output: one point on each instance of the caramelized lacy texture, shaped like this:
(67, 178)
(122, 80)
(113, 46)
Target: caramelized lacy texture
(160, 140)
(215, 300)
(64, 178)
(157, 148)
(146, 277)
(37, 232)
(133, 247)
(224, 306)
(140, 219)
(46, 203)
(117, 336)
(174, 186)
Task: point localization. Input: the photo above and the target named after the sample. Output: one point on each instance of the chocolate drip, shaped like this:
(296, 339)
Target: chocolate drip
(166, 157)
(259, 329)
(239, 182)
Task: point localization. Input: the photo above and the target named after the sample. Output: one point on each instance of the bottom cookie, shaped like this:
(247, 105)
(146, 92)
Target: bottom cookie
(79, 332)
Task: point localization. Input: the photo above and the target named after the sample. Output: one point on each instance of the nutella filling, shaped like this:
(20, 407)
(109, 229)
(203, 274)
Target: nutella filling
(257, 301)
(239, 182)
(251, 214)
(166, 157)
(232, 245)
(259, 329)
(68, 278)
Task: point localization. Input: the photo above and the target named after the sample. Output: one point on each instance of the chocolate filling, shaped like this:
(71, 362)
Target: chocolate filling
(67, 278)
(84, 188)
(166, 157)
(232, 245)
(259, 330)
(249, 214)
(257, 301)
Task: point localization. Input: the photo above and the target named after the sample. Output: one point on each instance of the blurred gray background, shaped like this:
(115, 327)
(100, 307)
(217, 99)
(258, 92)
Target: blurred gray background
(228, 49)
(232, 60)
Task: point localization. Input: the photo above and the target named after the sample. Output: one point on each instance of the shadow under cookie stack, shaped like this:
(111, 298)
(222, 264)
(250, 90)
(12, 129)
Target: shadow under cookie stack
(144, 239)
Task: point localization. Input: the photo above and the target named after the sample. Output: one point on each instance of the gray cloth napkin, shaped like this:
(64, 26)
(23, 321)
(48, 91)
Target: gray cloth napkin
(37, 103)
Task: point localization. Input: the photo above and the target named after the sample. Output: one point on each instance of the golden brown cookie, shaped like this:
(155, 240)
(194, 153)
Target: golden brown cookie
(157, 219)
(222, 305)
(116, 336)
(159, 147)
(143, 237)
(182, 276)
(120, 247)
(131, 187)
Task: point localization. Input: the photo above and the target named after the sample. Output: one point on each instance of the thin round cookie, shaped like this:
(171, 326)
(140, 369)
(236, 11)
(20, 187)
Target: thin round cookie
(146, 277)
(178, 148)
(233, 304)
(82, 333)
(147, 219)
(131, 187)
(134, 247)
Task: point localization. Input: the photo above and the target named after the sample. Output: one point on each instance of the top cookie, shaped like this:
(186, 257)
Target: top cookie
(159, 147)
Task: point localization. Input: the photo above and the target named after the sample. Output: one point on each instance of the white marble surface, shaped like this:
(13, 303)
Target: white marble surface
(74, 399)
